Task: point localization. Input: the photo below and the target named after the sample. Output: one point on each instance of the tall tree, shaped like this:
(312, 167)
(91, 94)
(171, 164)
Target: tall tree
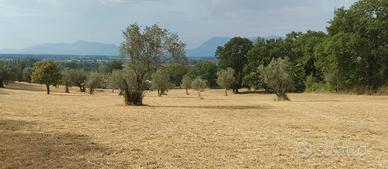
(146, 51)
(360, 34)
(46, 72)
(234, 55)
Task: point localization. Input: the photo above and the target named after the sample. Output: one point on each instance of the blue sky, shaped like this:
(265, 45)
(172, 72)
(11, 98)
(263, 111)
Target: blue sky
(29, 22)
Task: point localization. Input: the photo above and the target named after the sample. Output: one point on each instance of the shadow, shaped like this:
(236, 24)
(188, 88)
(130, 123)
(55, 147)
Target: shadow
(312, 101)
(214, 107)
(4, 93)
(26, 149)
(255, 92)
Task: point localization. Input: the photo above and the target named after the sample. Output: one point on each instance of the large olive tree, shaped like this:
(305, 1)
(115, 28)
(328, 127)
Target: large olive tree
(146, 51)
(278, 76)
(46, 72)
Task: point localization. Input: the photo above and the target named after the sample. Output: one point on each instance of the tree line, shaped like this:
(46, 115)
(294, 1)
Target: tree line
(351, 57)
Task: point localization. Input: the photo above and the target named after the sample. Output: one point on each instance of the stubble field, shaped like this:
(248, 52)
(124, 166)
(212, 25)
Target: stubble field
(78, 130)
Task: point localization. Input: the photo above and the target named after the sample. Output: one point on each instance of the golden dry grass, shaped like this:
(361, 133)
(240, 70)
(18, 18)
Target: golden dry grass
(177, 131)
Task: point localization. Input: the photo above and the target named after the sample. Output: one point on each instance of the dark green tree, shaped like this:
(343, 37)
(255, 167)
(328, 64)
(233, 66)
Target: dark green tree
(206, 70)
(234, 55)
(176, 72)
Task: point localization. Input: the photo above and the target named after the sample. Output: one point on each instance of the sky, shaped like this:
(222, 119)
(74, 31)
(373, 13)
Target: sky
(24, 23)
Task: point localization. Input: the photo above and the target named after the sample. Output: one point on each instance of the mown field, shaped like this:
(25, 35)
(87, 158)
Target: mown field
(177, 131)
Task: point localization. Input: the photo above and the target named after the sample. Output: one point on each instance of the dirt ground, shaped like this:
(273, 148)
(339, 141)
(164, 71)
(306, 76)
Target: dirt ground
(177, 131)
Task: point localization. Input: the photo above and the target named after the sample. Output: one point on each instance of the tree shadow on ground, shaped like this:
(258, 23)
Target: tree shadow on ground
(21, 148)
(232, 107)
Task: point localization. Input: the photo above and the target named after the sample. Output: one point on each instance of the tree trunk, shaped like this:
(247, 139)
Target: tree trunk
(1, 83)
(82, 88)
(282, 97)
(48, 89)
(226, 92)
(91, 91)
(133, 97)
(67, 89)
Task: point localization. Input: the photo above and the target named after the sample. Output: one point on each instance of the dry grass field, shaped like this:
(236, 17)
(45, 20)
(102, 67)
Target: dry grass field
(177, 131)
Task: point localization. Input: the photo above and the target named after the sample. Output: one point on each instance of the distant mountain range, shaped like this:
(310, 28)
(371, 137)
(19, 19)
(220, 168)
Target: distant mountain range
(76, 48)
(207, 49)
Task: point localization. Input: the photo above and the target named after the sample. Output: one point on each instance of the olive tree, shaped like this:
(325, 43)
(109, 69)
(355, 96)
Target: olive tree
(78, 78)
(277, 75)
(46, 72)
(146, 51)
(114, 80)
(93, 81)
(26, 74)
(226, 79)
(200, 85)
(66, 79)
(160, 81)
(186, 83)
(6, 73)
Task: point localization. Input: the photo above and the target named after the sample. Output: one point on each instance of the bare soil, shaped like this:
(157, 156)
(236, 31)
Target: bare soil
(79, 130)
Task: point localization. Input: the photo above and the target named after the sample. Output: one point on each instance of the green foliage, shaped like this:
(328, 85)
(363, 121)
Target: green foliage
(310, 83)
(27, 73)
(94, 80)
(278, 76)
(46, 72)
(226, 79)
(176, 72)
(356, 48)
(109, 67)
(66, 79)
(200, 85)
(207, 70)
(146, 51)
(8, 72)
(78, 78)
(115, 79)
(160, 81)
(186, 83)
(234, 55)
